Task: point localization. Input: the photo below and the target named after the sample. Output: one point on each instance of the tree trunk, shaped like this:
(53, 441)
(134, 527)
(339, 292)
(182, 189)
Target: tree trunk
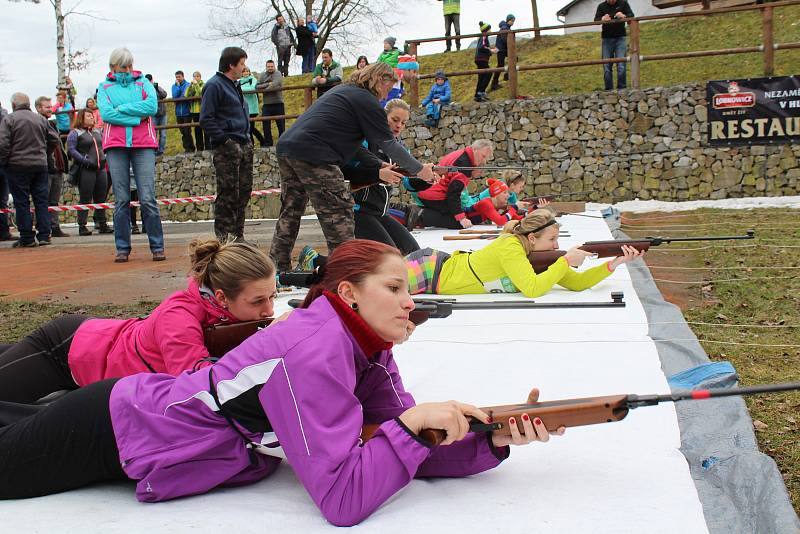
(61, 55)
(537, 34)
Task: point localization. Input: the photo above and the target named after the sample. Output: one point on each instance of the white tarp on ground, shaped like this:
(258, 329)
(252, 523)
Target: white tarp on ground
(615, 478)
(643, 206)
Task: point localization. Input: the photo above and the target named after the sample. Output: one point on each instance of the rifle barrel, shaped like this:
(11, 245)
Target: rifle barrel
(749, 235)
(637, 401)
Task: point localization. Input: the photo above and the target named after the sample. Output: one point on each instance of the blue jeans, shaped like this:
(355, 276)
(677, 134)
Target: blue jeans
(23, 186)
(4, 231)
(614, 47)
(143, 163)
(162, 134)
(308, 60)
(433, 111)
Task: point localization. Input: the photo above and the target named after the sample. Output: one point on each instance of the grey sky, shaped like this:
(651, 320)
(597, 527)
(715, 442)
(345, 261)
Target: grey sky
(163, 36)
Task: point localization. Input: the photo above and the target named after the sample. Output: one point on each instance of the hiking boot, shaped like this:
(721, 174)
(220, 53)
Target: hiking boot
(305, 260)
(495, 87)
(82, 230)
(159, 256)
(44, 242)
(121, 257)
(135, 229)
(58, 232)
(19, 244)
(104, 228)
(414, 213)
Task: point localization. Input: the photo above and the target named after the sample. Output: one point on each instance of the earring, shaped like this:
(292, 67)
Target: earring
(354, 306)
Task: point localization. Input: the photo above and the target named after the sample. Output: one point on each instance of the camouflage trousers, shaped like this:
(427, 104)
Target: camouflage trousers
(325, 186)
(233, 164)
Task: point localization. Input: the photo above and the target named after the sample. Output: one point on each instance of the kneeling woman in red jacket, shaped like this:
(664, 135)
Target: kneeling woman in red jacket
(229, 282)
(308, 385)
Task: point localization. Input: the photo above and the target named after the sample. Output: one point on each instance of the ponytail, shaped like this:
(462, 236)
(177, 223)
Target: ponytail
(228, 265)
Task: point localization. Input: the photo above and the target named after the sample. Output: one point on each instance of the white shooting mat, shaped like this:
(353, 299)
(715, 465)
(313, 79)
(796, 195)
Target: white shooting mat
(625, 477)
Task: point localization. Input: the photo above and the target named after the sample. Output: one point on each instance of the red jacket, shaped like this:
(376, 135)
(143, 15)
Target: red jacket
(450, 187)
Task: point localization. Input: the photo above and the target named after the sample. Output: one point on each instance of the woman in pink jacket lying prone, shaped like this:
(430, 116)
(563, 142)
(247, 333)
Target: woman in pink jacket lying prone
(308, 385)
(229, 282)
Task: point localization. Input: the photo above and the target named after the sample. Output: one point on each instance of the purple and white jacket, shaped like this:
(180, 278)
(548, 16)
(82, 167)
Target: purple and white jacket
(308, 383)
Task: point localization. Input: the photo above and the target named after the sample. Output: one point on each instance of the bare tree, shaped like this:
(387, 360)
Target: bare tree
(344, 24)
(535, 9)
(61, 16)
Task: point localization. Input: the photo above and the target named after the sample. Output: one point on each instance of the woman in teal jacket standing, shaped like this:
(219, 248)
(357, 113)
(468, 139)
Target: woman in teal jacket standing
(248, 82)
(127, 102)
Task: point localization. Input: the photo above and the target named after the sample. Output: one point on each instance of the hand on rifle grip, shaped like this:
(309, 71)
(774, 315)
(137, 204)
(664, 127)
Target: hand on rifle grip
(410, 327)
(628, 254)
(575, 256)
(450, 418)
(427, 173)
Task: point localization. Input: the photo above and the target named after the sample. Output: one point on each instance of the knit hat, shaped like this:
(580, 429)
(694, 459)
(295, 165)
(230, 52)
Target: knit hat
(496, 187)
(440, 74)
(484, 26)
(510, 17)
(391, 41)
(406, 62)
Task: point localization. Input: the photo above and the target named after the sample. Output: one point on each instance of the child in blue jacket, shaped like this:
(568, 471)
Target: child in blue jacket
(438, 96)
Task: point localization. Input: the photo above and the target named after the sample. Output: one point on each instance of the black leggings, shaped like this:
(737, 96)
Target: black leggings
(385, 230)
(38, 364)
(435, 214)
(65, 445)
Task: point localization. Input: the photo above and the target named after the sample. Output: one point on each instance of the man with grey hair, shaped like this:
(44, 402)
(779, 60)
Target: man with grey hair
(56, 167)
(25, 138)
(442, 200)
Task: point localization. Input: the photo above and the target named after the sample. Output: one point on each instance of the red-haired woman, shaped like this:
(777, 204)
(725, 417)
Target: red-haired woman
(308, 385)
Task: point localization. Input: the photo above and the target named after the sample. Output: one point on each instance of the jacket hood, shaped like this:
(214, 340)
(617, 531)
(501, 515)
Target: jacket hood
(205, 297)
(124, 78)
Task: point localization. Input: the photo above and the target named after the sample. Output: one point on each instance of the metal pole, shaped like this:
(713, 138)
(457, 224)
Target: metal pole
(634, 52)
(768, 41)
(413, 92)
(513, 88)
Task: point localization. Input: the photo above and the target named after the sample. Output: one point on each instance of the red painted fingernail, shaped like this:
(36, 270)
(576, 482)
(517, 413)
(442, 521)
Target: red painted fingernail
(537, 421)
(512, 421)
(525, 417)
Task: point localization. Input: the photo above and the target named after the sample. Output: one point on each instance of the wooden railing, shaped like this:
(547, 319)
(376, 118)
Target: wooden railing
(635, 58)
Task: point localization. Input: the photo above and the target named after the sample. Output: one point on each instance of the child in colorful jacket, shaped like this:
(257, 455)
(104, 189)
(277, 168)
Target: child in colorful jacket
(503, 265)
(303, 388)
(495, 207)
(391, 53)
(438, 96)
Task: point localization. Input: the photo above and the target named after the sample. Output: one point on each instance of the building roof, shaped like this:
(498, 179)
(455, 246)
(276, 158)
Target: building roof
(564, 10)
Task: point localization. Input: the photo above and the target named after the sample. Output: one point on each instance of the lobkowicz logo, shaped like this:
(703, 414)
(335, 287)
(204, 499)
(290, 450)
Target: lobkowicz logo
(734, 99)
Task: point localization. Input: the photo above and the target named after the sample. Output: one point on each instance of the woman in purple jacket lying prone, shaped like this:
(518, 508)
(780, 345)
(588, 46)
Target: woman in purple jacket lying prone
(307, 385)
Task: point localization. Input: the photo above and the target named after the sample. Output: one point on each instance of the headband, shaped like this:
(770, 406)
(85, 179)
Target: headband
(540, 228)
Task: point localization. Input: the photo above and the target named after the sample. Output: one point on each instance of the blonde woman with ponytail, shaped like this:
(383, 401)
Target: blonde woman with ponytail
(228, 283)
(503, 265)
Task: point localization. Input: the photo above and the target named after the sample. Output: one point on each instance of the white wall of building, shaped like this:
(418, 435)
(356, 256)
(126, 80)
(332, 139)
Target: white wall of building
(585, 10)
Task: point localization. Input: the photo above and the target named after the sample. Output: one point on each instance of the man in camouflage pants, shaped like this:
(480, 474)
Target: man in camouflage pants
(325, 186)
(233, 166)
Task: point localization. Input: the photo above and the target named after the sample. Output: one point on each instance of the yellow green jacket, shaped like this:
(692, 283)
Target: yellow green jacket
(195, 89)
(505, 262)
(451, 7)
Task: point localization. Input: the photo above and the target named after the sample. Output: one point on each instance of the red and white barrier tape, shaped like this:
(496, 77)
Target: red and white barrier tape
(161, 201)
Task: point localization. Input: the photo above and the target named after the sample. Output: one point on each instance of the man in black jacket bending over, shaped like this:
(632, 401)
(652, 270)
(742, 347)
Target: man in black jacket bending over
(613, 36)
(226, 120)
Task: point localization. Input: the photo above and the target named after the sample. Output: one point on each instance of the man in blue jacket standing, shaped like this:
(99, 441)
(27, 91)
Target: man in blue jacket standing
(225, 117)
(182, 112)
(501, 43)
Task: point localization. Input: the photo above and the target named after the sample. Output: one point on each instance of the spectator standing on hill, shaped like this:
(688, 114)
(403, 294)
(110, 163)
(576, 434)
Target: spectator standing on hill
(483, 52)
(226, 120)
(63, 119)
(159, 119)
(362, 62)
(390, 54)
(273, 101)
(182, 113)
(56, 167)
(283, 39)
(195, 90)
(452, 15)
(613, 39)
(248, 83)
(25, 138)
(127, 103)
(5, 230)
(502, 50)
(309, 157)
(327, 74)
(85, 147)
(305, 45)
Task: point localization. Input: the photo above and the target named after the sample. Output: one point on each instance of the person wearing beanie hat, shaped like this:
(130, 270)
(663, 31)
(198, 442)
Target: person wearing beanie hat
(390, 54)
(439, 95)
(483, 52)
(406, 69)
(502, 50)
(494, 208)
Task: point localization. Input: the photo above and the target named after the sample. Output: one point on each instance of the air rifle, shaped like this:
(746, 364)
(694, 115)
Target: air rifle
(467, 235)
(499, 231)
(222, 338)
(541, 261)
(589, 410)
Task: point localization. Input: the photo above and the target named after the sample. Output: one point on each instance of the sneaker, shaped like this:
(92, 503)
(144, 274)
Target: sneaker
(121, 257)
(159, 256)
(305, 260)
(19, 244)
(58, 232)
(44, 242)
(135, 229)
(414, 213)
(104, 229)
(82, 230)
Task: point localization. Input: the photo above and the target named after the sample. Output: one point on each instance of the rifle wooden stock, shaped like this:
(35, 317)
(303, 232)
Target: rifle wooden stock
(222, 338)
(498, 232)
(470, 237)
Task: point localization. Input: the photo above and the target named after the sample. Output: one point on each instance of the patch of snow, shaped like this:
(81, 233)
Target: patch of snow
(643, 206)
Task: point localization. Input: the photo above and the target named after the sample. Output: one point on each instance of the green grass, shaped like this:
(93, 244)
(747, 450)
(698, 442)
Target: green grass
(677, 35)
(766, 302)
